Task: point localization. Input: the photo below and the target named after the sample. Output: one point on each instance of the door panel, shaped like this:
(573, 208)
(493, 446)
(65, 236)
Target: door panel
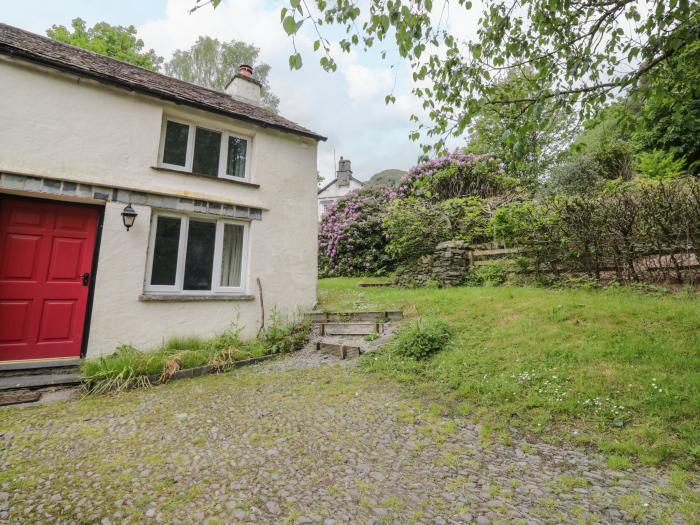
(66, 257)
(14, 315)
(22, 265)
(45, 248)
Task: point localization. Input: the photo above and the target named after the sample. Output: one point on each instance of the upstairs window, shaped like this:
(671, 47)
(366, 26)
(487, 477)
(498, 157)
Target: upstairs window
(204, 151)
(175, 149)
(194, 256)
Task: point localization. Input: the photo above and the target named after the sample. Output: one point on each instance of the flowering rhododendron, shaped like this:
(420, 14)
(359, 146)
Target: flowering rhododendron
(455, 175)
(351, 239)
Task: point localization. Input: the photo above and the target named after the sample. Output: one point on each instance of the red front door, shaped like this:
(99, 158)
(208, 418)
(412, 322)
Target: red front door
(45, 251)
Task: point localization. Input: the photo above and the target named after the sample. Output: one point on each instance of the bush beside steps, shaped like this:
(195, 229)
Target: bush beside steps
(129, 367)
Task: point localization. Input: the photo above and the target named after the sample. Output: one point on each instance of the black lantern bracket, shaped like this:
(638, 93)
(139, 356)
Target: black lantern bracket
(128, 216)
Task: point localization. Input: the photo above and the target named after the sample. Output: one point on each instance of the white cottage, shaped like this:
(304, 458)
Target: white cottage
(343, 184)
(134, 206)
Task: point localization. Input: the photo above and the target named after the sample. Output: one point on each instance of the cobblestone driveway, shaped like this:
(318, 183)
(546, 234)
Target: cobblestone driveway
(278, 444)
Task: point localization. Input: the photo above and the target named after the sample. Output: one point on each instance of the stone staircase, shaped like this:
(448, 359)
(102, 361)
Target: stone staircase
(349, 334)
(26, 382)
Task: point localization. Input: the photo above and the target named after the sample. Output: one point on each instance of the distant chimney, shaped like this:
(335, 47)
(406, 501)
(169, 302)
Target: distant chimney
(344, 172)
(244, 87)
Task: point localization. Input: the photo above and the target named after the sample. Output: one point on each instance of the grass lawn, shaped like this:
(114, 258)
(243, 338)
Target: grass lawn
(616, 369)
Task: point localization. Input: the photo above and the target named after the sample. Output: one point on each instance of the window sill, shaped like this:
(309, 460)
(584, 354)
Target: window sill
(222, 179)
(155, 297)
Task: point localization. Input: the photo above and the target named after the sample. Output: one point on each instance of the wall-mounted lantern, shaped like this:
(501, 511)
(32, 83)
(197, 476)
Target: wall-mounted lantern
(128, 216)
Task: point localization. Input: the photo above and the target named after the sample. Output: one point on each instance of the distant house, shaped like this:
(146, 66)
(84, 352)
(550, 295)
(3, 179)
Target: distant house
(343, 183)
(134, 206)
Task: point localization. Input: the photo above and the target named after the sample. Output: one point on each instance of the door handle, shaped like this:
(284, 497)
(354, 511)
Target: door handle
(86, 279)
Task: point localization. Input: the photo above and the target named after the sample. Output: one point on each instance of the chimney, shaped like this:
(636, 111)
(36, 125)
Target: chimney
(344, 172)
(244, 87)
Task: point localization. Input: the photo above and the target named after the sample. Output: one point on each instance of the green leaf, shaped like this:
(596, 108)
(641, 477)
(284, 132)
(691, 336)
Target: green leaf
(289, 25)
(317, 45)
(384, 21)
(295, 61)
(296, 4)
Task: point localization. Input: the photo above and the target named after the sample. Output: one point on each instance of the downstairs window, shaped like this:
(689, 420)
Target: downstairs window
(192, 255)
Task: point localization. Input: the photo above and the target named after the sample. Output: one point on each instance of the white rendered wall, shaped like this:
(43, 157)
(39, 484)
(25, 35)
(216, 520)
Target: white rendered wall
(54, 126)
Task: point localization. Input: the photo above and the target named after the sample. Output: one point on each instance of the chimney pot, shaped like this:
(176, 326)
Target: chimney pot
(245, 70)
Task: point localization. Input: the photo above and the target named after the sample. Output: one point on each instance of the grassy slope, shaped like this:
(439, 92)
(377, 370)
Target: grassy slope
(616, 369)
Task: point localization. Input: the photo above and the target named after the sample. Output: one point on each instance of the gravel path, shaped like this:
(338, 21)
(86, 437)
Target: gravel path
(289, 442)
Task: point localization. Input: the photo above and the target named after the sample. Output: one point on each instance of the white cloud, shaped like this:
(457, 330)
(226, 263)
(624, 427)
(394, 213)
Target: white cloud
(347, 106)
(246, 20)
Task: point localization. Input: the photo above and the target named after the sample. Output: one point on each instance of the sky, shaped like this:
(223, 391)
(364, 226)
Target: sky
(346, 106)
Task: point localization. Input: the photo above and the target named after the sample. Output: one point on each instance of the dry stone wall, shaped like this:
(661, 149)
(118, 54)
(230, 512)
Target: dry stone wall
(447, 266)
(450, 263)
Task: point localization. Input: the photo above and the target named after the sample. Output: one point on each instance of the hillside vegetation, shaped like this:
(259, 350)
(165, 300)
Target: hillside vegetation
(389, 178)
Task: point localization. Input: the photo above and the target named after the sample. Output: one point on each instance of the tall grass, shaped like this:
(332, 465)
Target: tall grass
(128, 366)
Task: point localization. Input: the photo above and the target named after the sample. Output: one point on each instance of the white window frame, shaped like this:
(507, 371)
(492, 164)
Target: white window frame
(223, 149)
(177, 288)
(189, 155)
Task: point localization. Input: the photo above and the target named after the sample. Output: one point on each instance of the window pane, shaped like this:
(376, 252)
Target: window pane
(199, 258)
(235, 163)
(175, 149)
(165, 251)
(232, 257)
(207, 145)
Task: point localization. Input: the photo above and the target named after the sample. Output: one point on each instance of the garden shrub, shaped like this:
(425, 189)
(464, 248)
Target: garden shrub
(456, 175)
(422, 339)
(589, 173)
(448, 198)
(415, 227)
(534, 227)
(639, 230)
(351, 238)
(660, 165)
(493, 273)
(614, 160)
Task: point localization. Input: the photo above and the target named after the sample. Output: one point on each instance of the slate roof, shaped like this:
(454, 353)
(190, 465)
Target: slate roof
(362, 183)
(28, 46)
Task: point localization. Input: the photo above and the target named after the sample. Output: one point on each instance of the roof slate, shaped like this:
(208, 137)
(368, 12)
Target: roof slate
(22, 44)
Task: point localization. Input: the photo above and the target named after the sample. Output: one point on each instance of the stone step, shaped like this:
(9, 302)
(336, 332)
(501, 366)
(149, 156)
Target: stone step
(38, 380)
(378, 316)
(352, 328)
(16, 397)
(40, 367)
(376, 285)
(338, 350)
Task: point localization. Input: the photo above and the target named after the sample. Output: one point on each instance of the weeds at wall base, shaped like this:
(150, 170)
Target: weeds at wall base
(129, 368)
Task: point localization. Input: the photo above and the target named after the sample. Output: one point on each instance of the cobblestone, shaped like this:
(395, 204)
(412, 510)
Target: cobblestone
(290, 442)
